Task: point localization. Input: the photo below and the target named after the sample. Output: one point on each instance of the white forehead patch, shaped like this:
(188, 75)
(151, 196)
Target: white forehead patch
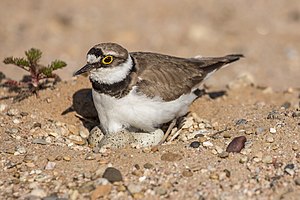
(91, 58)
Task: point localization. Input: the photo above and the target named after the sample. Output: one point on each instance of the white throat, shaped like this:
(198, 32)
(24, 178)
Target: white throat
(112, 75)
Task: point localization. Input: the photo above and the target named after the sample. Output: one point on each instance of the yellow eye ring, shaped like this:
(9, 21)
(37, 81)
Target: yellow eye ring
(107, 60)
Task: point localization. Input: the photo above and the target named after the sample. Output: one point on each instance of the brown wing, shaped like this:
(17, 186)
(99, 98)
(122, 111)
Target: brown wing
(169, 77)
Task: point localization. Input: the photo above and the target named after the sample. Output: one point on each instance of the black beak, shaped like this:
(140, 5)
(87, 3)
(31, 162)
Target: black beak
(84, 69)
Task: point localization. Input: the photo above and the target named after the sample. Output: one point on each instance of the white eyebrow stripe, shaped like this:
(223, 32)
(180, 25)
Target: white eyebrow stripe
(91, 58)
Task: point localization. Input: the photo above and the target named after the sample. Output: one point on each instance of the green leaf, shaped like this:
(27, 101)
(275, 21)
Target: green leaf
(33, 55)
(57, 64)
(21, 62)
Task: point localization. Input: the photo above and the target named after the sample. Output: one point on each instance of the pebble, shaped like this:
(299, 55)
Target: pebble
(272, 130)
(148, 166)
(12, 130)
(171, 157)
(134, 188)
(160, 191)
(224, 154)
(270, 139)
(296, 113)
(16, 121)
(90, 157)
(67, 158)
(112, 175)
(50, 165)
(187, 173)
(84, 133)
(195, 144)
(214, 176)
(237, 144)
(87, 187)
(39, 141)
(77, 139)
(21, 149)
(12, 112)
(290, 169)
(207, 144)
(101, 181)
(241, 122)
(227, 135)
(2, 107)
(267, 159)
(258, 157)
(100, 191)
(38, 193)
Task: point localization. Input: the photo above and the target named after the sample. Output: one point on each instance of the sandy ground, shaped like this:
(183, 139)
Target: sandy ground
(44, 154)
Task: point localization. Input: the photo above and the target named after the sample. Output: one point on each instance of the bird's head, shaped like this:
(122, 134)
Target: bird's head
(104, 55)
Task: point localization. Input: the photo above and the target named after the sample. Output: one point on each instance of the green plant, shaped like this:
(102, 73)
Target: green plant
(38, 73)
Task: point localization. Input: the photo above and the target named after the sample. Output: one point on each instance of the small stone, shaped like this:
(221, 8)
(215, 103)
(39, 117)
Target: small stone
(270, 139)
(112, 175)
(50, 165)
(227, 135)
(244, 159)
(207, 144)
(38, 193)
(267, 160)
(296, 113)
(187, 173)
(295, 148)
(90, 157)
(138, 195)
(214, 176)
(148, 166)
(2, 107)
(273, 115)
(237, 144)
(101, 191)
(84, 133)
(290, 169)
(12, 112)
(218, 149)
(77, 139)
(21, 149)
(101, 181)
(258, 157)
(241, 122)
(224, 154)
(39, 141)
(12, 130)
(134, 188)
(16, 121)
(195, 144)
(73, 130)
(74, 194)
(87, 187)
(160, 191)
(272, 130)
(67, 158)
(171, 157)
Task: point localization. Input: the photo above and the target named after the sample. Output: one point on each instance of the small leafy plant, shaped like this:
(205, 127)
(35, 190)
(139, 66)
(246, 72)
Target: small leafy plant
(39, 74)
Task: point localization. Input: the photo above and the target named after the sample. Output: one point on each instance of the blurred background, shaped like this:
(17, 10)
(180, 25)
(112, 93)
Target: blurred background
(266, 32)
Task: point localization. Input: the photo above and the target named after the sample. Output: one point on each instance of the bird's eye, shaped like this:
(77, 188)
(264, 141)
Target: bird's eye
(107, 60)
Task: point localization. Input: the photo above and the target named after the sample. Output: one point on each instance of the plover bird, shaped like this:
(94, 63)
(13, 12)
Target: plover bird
(144, 90)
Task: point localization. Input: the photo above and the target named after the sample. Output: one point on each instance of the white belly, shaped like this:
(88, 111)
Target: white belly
(137, 111)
